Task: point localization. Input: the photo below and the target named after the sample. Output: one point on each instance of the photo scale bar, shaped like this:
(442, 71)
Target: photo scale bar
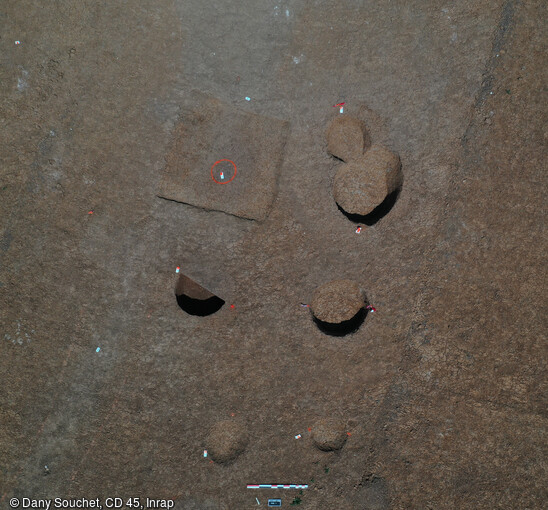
(276, 486)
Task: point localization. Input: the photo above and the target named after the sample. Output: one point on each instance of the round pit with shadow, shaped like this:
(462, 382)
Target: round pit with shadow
(195, 299)
(347, 138)
(367, 188)
(338, 307)
(329, 434)
(227, 439)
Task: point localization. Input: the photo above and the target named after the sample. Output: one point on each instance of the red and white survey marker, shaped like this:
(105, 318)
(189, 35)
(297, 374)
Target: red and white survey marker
(339, 106)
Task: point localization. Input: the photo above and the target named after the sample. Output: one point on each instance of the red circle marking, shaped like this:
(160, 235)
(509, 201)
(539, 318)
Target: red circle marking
(216, 162)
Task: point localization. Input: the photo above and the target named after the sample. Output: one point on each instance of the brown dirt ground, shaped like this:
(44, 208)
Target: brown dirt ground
(443, 389)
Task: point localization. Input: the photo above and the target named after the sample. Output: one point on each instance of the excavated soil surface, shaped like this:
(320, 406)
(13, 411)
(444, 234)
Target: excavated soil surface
(105, 380)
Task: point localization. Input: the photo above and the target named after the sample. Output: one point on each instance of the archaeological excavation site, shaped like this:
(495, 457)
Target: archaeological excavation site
(264, 254)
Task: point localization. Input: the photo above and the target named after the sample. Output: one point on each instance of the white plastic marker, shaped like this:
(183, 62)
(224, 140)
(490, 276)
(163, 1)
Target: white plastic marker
(371, 308)
(222, 175)
(177, 269)
(17, 43)
(358, 230)
(340, 105)
(205, 453)
(298, 436)
(276, 486)
(98, 349)
(258, 502)
(247, 98)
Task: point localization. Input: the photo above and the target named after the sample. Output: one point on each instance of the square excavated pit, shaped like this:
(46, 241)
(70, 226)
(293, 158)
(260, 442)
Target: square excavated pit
(210, 131)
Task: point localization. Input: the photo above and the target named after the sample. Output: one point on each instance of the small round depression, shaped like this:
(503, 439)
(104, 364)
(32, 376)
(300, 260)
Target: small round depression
(195, 299)
(338, 307)
(376, 214)
(342, 328)
(366, 189)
